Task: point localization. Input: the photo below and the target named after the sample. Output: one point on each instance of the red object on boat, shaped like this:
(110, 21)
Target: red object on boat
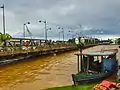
(106, 85)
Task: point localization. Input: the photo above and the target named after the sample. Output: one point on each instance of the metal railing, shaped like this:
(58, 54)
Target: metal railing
(19, 48)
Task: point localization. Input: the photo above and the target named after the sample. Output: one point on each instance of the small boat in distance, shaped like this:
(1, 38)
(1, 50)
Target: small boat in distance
(95, 66)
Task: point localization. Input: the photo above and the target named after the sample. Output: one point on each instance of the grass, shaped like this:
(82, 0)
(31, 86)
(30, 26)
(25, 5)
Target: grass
(78, 87)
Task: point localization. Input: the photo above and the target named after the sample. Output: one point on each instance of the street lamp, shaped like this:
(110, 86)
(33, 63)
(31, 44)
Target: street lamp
(24, 25)
(80, 31)
(46, 32)
(59, 32)
(80, 43)
(62, 32)
(3, 19)
(70, 33)
(45, 22)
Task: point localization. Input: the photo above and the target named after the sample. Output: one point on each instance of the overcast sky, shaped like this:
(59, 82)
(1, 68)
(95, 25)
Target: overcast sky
(92, 17)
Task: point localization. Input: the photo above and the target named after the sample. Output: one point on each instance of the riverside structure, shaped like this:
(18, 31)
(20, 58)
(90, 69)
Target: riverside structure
(17, 49)
(32, 47)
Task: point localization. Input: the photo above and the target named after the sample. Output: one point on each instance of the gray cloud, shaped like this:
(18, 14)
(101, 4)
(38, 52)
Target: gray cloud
(96, 14)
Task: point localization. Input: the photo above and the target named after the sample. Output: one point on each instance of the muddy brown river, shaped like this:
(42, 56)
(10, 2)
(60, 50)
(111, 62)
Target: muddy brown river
(43, 72)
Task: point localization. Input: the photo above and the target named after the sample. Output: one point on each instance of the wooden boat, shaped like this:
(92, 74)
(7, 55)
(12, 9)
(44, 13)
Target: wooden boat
(95, 66)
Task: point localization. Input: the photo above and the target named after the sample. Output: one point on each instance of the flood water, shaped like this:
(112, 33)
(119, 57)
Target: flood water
(39, 73)
(42, 72)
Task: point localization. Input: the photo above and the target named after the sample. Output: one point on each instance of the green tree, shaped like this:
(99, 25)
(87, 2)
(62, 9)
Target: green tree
(110, 40)
(118, 40)
(72, 40)
(5, 37)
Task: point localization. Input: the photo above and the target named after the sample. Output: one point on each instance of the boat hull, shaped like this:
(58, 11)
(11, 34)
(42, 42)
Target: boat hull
(91, 79)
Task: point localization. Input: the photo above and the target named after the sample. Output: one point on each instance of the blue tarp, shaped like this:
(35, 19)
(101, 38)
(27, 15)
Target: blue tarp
(109, 65)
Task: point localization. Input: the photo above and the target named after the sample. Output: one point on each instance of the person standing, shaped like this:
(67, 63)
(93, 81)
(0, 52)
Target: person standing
(27, 44)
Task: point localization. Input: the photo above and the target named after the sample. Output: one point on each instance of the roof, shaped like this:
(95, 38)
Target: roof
(101, 53)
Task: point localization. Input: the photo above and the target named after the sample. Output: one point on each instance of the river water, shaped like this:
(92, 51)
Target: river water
(43, 72)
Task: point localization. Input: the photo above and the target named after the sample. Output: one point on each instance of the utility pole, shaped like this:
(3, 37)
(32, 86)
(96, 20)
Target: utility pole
(63, 33)
(45, 30)
(45, 22)
(3, 19)
(24, 25)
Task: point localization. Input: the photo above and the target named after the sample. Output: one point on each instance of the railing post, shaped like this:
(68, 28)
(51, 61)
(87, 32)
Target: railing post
(78, 63)
(81, 59)
(40, 42)
(20, 45)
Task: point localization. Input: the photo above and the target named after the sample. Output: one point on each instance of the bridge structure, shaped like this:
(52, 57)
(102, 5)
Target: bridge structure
(24, 46)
